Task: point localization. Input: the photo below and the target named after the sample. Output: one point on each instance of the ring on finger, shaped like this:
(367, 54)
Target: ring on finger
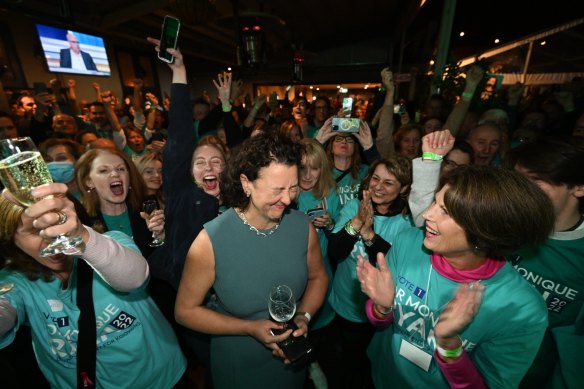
(62, 218)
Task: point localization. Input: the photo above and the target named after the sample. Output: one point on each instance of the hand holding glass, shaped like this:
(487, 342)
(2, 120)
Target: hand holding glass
(149, 206)
(22, 168)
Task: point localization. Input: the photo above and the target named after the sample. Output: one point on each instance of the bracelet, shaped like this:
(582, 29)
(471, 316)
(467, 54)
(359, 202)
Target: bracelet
(380, 312)
(467, 95)
(431, 156)
(457, 352)
(350, 229)
(331, 225)
(226, 107)
(369, 242)
(307, 315)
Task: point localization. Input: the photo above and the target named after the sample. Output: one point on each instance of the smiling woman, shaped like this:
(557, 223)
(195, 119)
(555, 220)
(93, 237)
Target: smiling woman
(112, 192)
(449, 297)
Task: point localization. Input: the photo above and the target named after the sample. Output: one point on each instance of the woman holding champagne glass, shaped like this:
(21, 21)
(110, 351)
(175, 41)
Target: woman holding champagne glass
(112, 193)
(132, 339)
(242, 254)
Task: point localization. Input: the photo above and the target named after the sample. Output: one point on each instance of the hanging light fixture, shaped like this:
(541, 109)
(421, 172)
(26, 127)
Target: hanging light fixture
(251, 38)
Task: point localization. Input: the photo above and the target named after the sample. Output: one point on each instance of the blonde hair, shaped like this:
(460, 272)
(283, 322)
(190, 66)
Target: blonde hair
(316, 155)
(16, 259)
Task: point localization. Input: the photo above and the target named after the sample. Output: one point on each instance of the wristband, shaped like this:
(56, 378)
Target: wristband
(467, 95)
(256, 107)
(457, 352)
(226, 107)
(431, 156)
(350, 229)
(307, 315)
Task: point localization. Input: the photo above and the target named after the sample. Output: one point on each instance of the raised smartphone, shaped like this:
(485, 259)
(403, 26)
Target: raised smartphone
(169, 37)
(347, 106)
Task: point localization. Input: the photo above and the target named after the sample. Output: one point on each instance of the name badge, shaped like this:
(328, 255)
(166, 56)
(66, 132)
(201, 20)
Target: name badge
(415, 355)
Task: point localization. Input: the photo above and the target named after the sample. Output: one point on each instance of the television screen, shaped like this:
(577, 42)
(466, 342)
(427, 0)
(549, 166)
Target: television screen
(68, 51)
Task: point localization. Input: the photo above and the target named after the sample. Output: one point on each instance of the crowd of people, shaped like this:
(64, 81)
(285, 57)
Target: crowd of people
(431, 247)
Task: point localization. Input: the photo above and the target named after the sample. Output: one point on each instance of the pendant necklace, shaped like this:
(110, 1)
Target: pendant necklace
(252, 228)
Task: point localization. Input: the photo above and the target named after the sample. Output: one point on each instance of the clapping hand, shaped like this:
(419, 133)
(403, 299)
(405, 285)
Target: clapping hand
(376, 282)
(460, 311)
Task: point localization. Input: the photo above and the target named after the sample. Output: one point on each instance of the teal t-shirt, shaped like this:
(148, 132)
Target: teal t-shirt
(556, 270)
(136, 347)
(346, 298)
(348, 187)
(307, 201)
(501, 340)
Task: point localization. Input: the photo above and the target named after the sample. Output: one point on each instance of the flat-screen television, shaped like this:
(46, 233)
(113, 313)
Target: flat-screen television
(68, 51)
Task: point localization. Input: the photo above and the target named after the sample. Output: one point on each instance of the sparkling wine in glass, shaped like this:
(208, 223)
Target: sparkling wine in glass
(282, 305)
(149, 206)
(22, 168)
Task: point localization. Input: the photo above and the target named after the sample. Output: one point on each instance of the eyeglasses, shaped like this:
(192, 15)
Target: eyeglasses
(30, 104)
(451, 163)
(348, 139)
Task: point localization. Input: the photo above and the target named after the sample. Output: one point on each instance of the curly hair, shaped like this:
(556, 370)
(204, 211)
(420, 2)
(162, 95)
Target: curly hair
(249, 158)
(16, 259)
(401, 168)
(499, 210)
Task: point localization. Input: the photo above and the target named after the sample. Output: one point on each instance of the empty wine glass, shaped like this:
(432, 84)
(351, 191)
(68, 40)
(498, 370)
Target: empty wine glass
(149, 206)
(22, 168)
(282, 305)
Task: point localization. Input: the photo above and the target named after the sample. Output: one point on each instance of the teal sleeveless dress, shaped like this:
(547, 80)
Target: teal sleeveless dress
(247, 266)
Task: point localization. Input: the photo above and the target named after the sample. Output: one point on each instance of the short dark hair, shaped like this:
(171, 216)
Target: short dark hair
(465, 148)
(249, 157)
(553, 161)
(499, 210)
(75, 148)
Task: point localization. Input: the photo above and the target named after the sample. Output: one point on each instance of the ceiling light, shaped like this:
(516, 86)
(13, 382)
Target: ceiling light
(461, 33)
(497, 40)
(542, 43)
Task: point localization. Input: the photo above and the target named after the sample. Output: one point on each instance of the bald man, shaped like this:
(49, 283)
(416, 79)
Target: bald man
(74, 57)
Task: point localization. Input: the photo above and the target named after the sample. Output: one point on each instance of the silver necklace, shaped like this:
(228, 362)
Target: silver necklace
(252, 228)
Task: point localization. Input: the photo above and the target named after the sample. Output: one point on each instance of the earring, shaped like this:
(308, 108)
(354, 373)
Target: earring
(129, 187)
(247, 194)
(89, 189)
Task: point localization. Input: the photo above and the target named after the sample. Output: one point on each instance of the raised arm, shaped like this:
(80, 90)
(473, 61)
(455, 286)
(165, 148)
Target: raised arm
(386, 126)
(456, 117)
(426, 172)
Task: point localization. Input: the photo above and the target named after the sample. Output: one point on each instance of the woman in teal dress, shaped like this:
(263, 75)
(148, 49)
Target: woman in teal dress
(242, 254)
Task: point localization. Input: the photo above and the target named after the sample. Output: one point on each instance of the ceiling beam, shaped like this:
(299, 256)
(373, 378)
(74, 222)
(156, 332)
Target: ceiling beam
(130, 12)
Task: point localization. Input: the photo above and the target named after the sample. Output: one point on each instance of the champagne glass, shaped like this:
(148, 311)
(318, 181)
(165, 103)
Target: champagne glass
(149, 206)
(282, 305)
(22, 168)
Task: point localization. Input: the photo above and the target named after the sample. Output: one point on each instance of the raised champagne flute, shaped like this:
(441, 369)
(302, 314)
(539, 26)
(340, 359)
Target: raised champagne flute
(22, 168)
(149, 206)
(282, 305)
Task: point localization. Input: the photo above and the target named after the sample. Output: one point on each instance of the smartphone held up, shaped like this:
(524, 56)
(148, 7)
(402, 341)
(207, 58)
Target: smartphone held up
(169, 38)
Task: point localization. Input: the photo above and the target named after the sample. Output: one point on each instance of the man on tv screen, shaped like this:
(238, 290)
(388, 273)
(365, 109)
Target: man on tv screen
(73, 57)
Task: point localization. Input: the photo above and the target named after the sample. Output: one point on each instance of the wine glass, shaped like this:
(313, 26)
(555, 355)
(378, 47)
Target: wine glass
(282, 305)
(149, 206)
(22, 168)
